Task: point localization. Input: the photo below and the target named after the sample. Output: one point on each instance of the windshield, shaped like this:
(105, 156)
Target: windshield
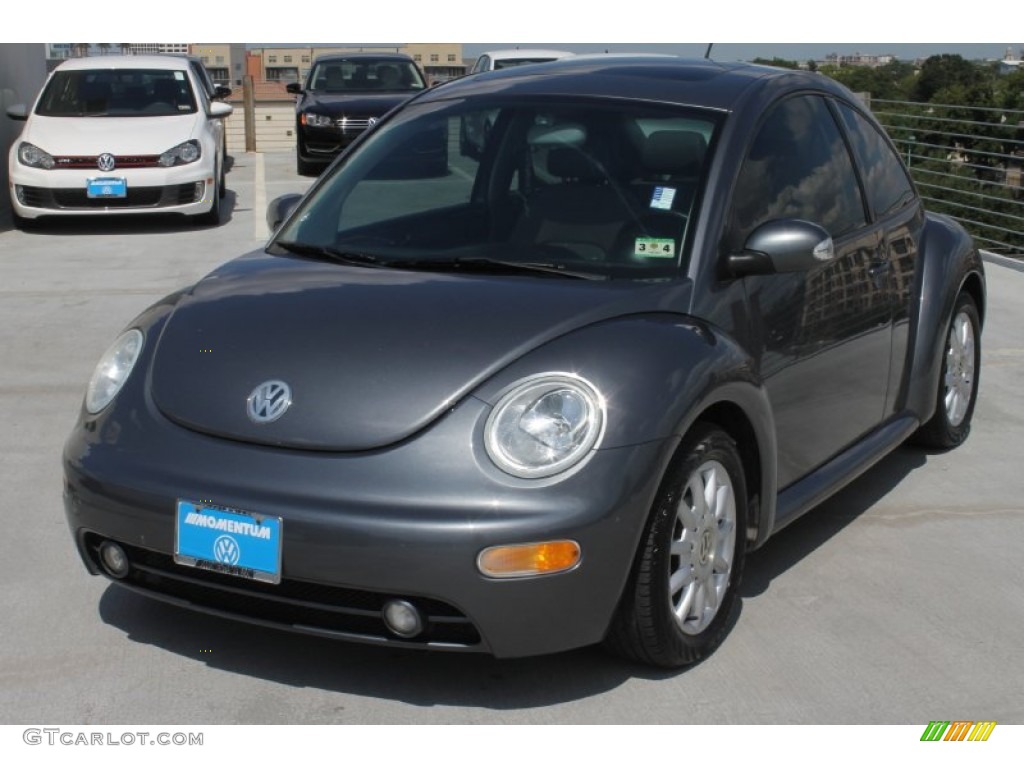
(117, 93)
(505, 63)
(365, 75)
(589, 189)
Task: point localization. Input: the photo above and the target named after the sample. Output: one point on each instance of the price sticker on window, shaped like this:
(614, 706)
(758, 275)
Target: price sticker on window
(655, 247)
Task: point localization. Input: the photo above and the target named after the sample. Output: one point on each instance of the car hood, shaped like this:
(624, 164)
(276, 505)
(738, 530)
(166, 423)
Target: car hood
(339, 105)
(372, 356)
(117, 135)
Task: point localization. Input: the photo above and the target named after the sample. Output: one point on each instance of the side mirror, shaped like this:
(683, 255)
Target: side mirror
(220, 109)
(281, 208)
(221, 92)
(785, 245)
(17, 112)
(294, 88)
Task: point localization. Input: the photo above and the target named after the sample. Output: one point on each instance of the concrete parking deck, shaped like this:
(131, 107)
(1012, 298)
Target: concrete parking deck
(901, 600)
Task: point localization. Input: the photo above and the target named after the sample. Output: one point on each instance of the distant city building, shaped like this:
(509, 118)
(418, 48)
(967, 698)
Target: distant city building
(439, 61)
(858, 60)
(1011, 62)
(142, 49)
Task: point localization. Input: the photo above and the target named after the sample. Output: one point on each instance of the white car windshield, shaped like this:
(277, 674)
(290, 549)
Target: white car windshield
(117, 93)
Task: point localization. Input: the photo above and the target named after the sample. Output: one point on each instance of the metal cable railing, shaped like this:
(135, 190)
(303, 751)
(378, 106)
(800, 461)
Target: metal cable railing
(968, 167)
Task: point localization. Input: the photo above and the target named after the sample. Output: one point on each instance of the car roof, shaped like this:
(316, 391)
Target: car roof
(362, 57)
(159, 61)
(651, 77)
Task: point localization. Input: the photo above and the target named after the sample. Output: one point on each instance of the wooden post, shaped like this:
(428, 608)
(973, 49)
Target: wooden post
(250, 113)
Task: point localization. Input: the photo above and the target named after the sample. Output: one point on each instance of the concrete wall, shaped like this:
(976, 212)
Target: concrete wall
(22, 73)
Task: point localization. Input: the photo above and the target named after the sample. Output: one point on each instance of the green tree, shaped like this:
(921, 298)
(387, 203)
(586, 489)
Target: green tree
(777, 62)
(944, 71)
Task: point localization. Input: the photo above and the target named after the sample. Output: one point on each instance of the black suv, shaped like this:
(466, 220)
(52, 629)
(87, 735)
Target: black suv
(344, 95)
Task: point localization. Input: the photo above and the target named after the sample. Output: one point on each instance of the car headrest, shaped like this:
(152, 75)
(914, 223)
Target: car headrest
(571, 163)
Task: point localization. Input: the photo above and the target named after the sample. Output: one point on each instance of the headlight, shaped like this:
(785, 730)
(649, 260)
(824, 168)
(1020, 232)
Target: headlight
(112, 370)
(544, 425)
(184, 153)
(317, 121)
(33, 156)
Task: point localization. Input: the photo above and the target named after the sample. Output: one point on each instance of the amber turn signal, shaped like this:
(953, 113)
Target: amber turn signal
(514, 560)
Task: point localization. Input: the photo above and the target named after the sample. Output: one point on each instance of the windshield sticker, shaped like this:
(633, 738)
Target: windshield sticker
(655, 247)
(663, 197)
(179, 75)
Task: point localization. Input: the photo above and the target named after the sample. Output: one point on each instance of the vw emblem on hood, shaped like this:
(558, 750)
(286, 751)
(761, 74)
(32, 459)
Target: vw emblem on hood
(372, 121)
(105, 162)
(269, 401)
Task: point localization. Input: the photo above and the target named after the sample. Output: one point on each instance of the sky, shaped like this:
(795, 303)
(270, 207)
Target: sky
(749, 29)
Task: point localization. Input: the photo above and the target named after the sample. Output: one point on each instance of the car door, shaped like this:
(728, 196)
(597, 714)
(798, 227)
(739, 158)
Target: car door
(822, 336)
(896, 207)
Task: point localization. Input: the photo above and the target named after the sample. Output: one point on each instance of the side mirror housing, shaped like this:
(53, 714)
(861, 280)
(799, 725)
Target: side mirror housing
(17, 112)
(221, 92)
(784, 245)
(294, 88)
(281, 208)
(220, 109)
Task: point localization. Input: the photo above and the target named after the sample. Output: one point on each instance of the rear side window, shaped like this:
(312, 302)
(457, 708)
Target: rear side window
(887, 184)
(797, 167)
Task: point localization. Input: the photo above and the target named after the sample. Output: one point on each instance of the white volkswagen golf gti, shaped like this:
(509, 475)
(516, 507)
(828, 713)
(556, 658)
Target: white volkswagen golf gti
(119, 134)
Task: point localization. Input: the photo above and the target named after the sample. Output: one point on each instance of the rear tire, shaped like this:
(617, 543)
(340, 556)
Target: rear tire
(680, 596)
(958, 382)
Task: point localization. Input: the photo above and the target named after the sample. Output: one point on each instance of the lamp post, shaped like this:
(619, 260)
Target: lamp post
(910, 145)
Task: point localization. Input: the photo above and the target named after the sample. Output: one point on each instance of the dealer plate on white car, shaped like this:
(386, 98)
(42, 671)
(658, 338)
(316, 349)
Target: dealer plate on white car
(107, 186)
(228, 541)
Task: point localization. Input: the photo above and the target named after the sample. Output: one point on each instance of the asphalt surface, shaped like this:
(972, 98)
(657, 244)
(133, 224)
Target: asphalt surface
(901, 600)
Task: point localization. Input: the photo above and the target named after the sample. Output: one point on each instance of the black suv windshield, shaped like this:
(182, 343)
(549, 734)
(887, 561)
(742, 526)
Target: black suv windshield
(117, 93)
(364, 75)
(592, 189)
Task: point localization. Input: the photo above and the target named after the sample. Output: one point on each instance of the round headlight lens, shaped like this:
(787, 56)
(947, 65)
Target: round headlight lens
(33, 156)
(544, 425)
(112, 370)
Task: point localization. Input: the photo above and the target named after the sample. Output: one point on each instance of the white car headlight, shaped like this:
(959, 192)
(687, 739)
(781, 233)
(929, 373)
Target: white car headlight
(317, 121)
(34, 157)
(183, 154)
(112, 370)
(545, 425)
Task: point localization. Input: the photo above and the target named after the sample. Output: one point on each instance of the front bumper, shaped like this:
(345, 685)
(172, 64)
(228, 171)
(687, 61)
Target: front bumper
(407, 522)
(323, 144)
(186, 189)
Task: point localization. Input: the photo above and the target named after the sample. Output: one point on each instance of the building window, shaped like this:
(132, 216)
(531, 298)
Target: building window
(305, 59)
(434, 57)
(272, 59)
(220, 59)
(451, 57)
(417, 57)
(287, 59)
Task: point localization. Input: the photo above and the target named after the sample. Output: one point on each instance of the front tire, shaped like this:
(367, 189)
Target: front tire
(680, 595)
(958, 382)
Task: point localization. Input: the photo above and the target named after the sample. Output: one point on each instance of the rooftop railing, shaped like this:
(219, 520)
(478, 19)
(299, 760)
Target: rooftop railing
(966, 162)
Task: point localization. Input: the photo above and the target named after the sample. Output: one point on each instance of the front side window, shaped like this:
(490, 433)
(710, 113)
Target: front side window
(797, 167)
(592, 190)
(117, 93)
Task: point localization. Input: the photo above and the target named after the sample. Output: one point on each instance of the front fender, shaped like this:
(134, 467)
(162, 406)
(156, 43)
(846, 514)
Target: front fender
(949, 263)
(659, 374)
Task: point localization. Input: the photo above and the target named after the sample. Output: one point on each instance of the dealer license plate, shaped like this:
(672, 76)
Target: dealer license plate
(106, 187)
(228, 541)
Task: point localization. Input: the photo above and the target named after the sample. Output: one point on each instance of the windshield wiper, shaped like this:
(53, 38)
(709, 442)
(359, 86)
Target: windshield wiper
(485, 265)
(334, 254)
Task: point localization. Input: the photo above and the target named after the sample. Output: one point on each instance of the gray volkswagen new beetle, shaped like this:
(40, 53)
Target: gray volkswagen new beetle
(551, 397)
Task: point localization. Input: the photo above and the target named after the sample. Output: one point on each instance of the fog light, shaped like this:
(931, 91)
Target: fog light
(402, 618)
(507, 562)
(114, 559)
(200, 191)
(19, 190)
